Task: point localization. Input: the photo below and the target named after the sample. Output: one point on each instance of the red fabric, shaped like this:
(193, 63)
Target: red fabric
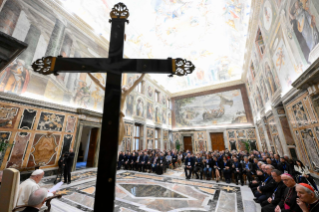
(307, 186)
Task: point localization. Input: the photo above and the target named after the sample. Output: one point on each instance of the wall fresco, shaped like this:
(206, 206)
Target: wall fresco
(235, 138)
(212, 109)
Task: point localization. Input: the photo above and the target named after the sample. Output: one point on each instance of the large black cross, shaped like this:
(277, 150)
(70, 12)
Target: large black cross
(114, 66)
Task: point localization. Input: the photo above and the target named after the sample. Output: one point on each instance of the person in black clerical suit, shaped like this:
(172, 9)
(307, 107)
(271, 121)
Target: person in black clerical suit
(189, 165)
(198, 166)
(247, 169)
(68, 162)
(275, 197)
(161, 161)
(237, 169)
(149, 163)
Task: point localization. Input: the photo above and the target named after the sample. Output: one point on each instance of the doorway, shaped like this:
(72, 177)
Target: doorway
(217, 140)
(87, 149)
(188, 143)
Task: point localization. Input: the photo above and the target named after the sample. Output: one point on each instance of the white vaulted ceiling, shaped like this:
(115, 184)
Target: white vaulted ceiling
(210, 33)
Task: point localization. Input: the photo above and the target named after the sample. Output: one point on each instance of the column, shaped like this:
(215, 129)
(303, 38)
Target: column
(32, 40)
(279, 119)
(56, 39)
(72, 80)
(9, 16)
(267, 134)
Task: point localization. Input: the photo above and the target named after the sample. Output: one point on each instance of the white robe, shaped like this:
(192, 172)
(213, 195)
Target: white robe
(25, 190)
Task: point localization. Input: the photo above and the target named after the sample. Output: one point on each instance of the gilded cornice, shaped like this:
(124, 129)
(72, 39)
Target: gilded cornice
(76, 21)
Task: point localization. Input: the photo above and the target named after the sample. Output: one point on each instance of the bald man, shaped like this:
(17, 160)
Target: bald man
(36, 200)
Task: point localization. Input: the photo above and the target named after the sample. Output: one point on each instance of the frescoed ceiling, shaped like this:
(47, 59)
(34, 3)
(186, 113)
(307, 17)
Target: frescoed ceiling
(210, 33)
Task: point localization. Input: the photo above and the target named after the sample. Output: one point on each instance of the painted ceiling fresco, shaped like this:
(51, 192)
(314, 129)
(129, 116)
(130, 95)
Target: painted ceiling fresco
(210, 33)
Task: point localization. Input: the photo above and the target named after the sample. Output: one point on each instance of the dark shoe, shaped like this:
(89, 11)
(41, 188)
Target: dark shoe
(256, 200)
(236, 182)
(197, 177)
(65, 181)
(69, 182)
(242, 184)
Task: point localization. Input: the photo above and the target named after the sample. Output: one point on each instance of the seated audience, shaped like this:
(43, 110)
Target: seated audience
(264, 191)
(275, 198)
(307, 201)
(284, 167)
(216, 168)
(208, 167)
(226, 168)
(36, 200)
(198, 166)
(189, 166)
(160, 163)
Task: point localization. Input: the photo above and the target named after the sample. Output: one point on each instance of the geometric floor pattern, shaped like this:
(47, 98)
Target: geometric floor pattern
(136, 191)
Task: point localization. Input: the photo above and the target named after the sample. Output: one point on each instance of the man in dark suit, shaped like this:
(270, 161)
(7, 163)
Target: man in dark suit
(284, 166)
(199, 166)
(275, 197)
(121, 160)
(127, 161)
(161, 161)
(270, 162)
(189, 165)
(246, 169)
(237, 170)
(144, 161)
(138, 161)
(68, 161)
(36, 200)
(267, 187)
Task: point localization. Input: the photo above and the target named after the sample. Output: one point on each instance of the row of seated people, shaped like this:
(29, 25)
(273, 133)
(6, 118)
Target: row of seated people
(146, 160)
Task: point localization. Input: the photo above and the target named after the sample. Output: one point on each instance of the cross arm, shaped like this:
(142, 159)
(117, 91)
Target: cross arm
(55, 65)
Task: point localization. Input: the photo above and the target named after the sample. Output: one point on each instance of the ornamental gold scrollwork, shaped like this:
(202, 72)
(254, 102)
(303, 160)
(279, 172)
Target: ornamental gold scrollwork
(182, 67)
(43, 65)
(120, 10)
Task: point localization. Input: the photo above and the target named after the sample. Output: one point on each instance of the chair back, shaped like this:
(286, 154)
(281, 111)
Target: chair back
(9, 189)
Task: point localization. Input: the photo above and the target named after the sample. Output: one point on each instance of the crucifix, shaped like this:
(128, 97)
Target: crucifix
(115, 65)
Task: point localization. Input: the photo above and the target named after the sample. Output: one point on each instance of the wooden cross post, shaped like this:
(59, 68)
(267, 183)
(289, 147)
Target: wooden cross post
(114, 66)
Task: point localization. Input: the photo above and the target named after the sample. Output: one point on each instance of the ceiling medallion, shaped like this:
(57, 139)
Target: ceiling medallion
(120, 11)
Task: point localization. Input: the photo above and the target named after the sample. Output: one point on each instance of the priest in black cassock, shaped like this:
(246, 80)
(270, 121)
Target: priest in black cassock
(307, 201)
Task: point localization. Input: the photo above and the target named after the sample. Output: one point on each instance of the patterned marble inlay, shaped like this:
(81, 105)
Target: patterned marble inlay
(140, 190)
(208, 190)
(226, 202)
(90, 190)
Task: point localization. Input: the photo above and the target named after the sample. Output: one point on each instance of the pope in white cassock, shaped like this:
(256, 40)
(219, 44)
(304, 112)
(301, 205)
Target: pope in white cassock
(29, 186)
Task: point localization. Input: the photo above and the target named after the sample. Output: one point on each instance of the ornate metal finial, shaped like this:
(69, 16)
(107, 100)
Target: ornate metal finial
(182, 67)
(45, 65)
(120, 11)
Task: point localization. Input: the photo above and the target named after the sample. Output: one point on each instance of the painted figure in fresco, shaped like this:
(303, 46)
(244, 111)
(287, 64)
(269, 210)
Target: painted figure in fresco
(300, 114)
(304, 26)
(150, 91)
(264, 90)
(82, 96)
(125, 93)
(139, 108)
(270, 79)
(278, 144)
(149, 111)
(96, 97)
(218, 112)
(14, 78)
(164, 117)
(201, 145)
(129, 105)
(311, 145)
(149, 144)
(169, 119)
(157, 116)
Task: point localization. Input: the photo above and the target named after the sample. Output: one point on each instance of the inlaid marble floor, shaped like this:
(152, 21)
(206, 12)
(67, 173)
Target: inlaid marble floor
(137, 191)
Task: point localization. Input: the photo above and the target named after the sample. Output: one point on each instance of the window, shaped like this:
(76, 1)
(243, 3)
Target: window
(260, 44)
(140, 87)
(168, 104)
(157, 95)
(137, 136)
(157, 135)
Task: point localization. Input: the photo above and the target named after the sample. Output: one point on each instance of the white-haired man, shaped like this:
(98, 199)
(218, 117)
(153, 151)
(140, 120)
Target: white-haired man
(36, 200)
(29, 186)
(307, 201)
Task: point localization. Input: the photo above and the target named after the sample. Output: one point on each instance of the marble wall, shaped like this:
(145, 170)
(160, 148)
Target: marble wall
(235, 138)
(305, 127)
(37, 136)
